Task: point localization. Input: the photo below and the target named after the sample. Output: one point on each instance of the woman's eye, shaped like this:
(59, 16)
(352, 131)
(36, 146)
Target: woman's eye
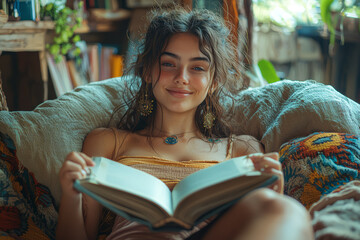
(167, 64)
(198, 68)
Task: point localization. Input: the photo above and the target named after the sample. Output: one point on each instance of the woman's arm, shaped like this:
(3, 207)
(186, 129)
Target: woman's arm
(265, 162)
(245, 145)
(79, 215)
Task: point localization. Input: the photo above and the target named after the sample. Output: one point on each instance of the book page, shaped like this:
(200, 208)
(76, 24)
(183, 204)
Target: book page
(210, 176)
(131, 180)
(215, 198)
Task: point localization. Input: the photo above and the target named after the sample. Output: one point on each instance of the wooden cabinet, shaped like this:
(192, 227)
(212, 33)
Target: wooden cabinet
(22, 36)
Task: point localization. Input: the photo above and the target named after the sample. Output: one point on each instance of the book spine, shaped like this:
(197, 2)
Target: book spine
(60, 76)
(91, 3)
(55, 75)
(116, 65)
(74, 76)
(27, 10)
(5, 6)
(13, 10)
(105, 65)
(107, 4)
(93, 62)
(37, 10)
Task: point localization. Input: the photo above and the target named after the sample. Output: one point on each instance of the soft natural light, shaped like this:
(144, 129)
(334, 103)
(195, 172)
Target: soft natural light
(287, 14)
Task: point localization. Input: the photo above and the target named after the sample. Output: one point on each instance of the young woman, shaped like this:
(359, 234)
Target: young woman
(175, 124)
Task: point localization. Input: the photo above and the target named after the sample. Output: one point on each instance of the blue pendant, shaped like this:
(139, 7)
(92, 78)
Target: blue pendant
(213, 140)
(171, 140)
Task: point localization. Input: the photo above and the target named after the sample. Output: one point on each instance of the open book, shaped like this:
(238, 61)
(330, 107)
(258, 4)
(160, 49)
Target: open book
(141, 197)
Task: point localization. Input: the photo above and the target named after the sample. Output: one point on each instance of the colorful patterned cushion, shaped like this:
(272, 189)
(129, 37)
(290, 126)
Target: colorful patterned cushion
(318, 164)
(26, 207)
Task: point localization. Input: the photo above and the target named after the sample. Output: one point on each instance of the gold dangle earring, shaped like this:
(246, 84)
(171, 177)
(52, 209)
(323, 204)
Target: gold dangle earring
(146, 106)
(209, 118)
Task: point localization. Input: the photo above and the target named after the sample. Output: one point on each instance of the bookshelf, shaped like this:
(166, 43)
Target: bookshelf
(28, 39)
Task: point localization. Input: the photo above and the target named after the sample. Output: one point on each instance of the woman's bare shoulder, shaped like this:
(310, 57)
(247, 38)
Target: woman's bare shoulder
(246, 144)
(103, 141)
(106, 133)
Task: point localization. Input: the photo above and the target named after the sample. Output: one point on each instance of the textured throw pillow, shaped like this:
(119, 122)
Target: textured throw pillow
(285, 110)
(44, 137)
(316, 165)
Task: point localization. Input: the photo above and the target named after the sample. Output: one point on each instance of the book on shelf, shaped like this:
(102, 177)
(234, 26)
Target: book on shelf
(70, 72)
(96, 62)
(79, 72)
(27, 9)
(75, 76)
(93, 53)
(141, 197)
(105, 61)
(37, 10)
(59, 74)
(110, 5)
(79, 67)
(116, 65)
(147, 3)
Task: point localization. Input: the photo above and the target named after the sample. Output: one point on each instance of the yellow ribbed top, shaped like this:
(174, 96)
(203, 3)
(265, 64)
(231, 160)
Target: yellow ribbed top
(168, 171)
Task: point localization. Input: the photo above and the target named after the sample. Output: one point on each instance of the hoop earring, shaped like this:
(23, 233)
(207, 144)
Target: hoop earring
(209, 118)
(145, 106)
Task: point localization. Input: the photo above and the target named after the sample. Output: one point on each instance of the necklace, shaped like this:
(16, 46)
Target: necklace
(171, 140)
(213, 140)
(174, 138)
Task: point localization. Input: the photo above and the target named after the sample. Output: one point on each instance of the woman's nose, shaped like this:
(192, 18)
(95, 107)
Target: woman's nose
(182, 77)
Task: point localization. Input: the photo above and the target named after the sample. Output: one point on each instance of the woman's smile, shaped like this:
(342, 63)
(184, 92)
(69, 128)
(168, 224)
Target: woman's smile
(179, 93)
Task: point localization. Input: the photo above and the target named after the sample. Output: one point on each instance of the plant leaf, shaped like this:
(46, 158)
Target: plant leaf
(268, 71)
(326, 13)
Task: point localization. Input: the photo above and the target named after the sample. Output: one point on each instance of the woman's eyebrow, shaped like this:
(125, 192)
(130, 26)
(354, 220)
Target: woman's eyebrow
(192, 59)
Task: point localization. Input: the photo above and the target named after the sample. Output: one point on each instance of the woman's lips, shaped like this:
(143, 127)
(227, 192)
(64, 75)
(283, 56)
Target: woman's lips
(179, 92)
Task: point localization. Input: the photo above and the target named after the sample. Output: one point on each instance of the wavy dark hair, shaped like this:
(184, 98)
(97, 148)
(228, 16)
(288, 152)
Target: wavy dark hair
(215, 42)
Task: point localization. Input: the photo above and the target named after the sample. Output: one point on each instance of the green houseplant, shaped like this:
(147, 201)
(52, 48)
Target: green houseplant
(66, 21)
(335, 13)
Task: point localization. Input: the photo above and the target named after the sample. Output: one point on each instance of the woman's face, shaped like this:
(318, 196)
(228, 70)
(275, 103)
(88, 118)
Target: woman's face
(185, 76)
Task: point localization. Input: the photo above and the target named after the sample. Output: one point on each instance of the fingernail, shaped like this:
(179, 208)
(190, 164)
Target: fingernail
(83, 172)
(255, 154)
(88, 170)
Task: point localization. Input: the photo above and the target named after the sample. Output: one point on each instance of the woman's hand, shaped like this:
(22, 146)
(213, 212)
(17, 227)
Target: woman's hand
(269, 163)
(74, 167)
